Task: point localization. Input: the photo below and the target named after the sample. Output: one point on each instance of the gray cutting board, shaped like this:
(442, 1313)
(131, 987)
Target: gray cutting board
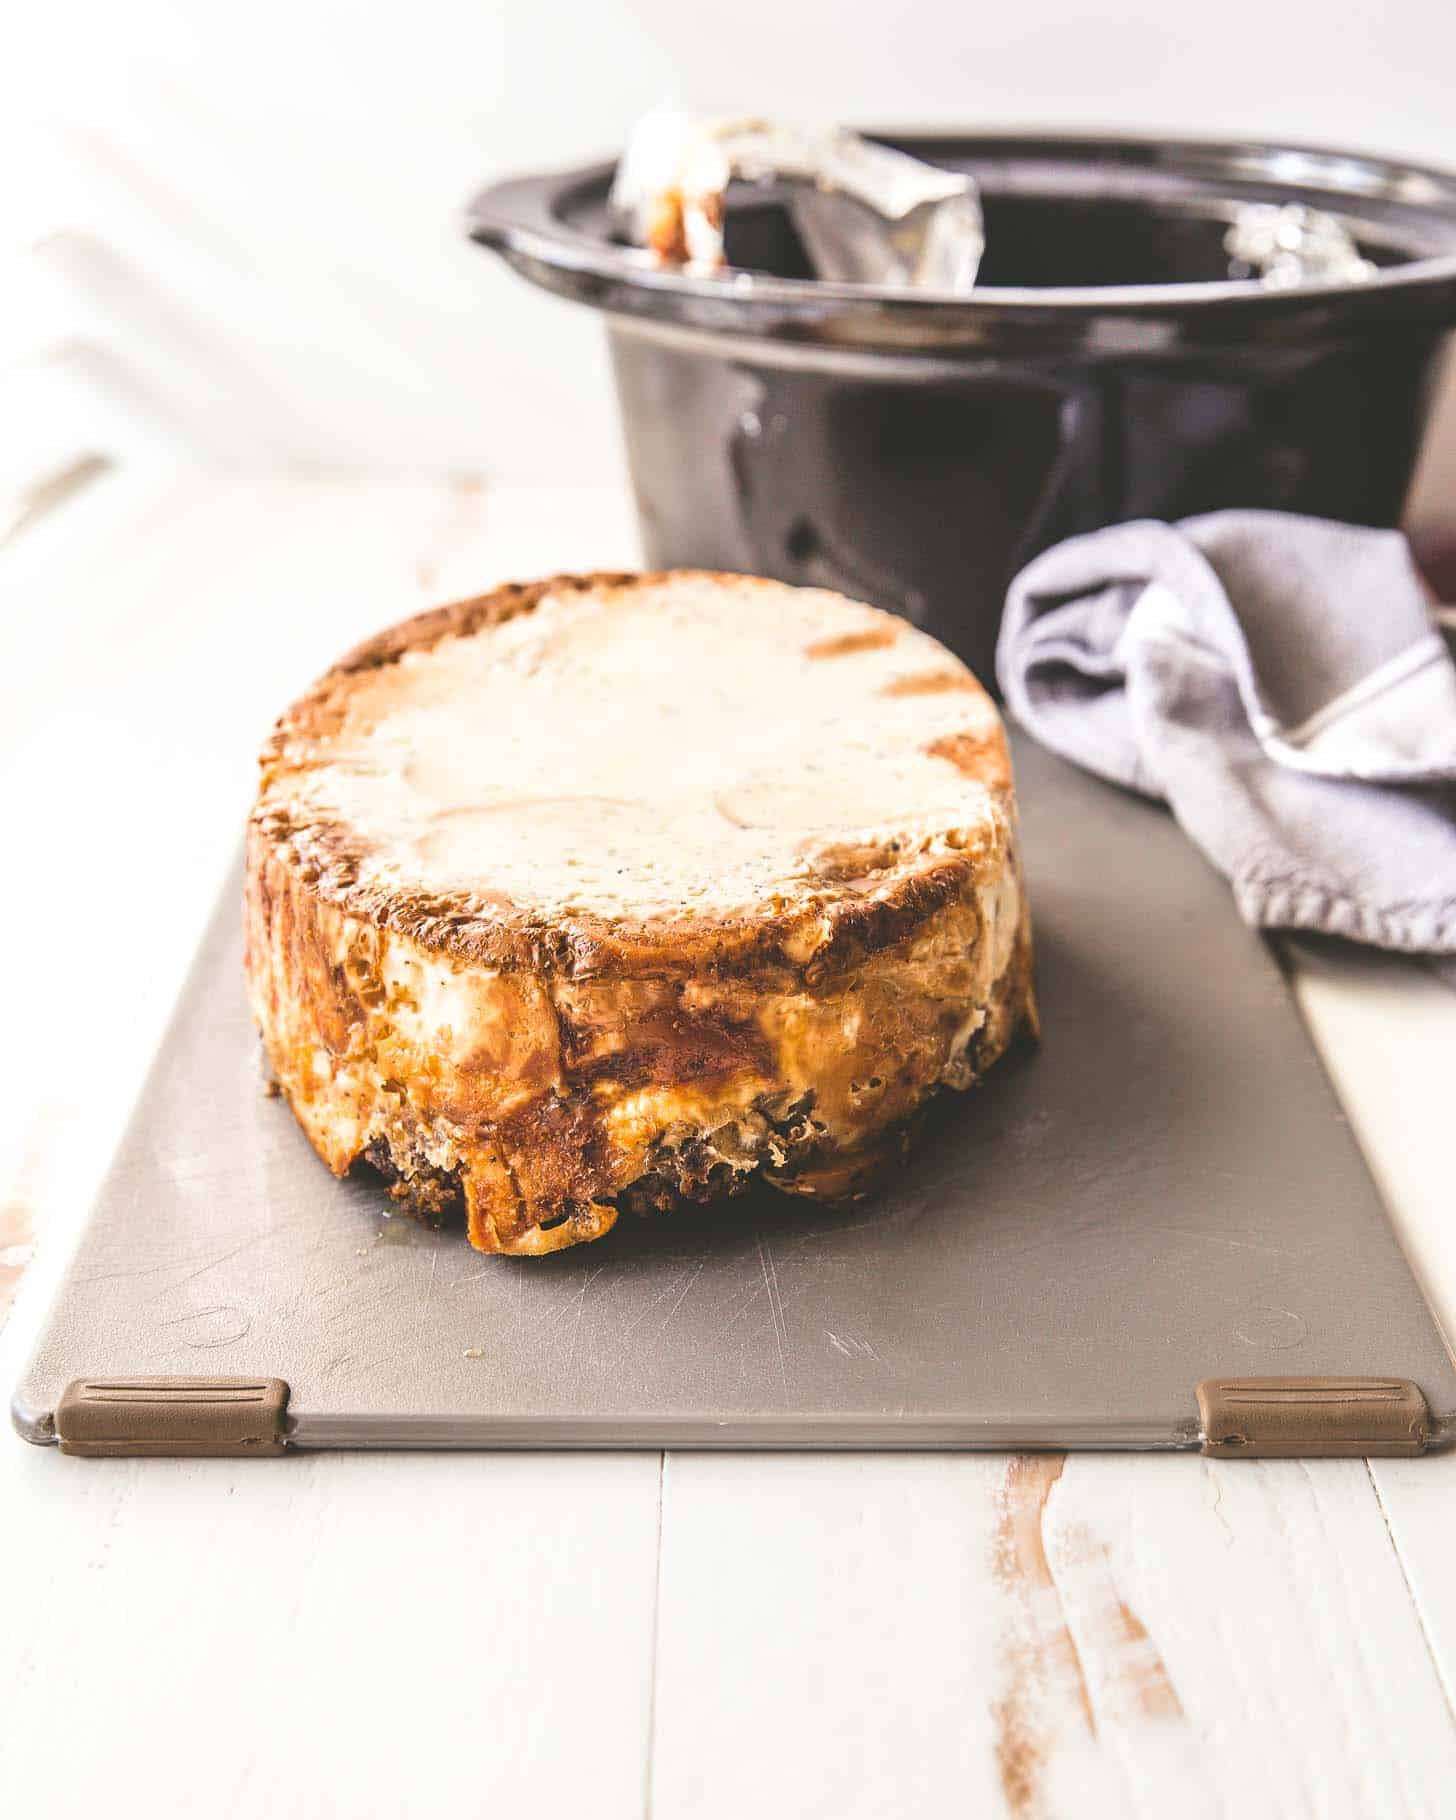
(1165, 1191)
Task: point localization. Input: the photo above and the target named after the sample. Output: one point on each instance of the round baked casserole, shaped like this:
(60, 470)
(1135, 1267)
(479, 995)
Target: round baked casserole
(618, 890)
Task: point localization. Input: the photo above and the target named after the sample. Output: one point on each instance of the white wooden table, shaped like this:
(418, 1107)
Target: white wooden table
(608, 1635)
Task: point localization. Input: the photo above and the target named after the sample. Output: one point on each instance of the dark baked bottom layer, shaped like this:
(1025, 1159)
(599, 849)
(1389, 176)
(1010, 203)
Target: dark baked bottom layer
(796, 1158)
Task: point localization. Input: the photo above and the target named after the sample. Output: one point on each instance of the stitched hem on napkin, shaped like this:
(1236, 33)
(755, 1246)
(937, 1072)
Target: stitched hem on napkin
(1300, 903)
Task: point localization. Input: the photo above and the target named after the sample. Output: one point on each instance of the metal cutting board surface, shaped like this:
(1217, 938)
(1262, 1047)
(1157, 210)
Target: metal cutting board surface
(1164, 1191)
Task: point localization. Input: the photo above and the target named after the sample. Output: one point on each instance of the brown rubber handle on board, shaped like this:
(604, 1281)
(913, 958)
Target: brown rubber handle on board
(129, 1417)
(1312, 1418)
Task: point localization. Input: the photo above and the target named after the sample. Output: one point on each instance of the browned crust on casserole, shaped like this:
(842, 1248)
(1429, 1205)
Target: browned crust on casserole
(591, 1064)
(812, 939)
(523, 1129)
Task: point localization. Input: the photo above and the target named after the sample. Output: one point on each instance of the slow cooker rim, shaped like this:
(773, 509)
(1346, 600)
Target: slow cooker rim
(519, 218)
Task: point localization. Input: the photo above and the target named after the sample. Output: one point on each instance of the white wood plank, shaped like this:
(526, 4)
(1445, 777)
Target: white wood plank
(1280, 1613)
(827, 1636)
(1385, 1028)
(1135, 1635)
(342, 1635)
(1418, 1501)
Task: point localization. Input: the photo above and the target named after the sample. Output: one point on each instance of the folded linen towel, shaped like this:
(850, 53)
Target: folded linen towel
(1280, 683)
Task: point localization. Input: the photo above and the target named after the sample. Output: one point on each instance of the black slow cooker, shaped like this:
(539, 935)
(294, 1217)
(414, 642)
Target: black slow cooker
(916, 449)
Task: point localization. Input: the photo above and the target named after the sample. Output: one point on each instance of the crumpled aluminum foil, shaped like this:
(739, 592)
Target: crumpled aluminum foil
(1284, 244)
(866, 214)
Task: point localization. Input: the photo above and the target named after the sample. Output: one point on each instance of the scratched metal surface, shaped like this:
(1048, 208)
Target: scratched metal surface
(1166, 1190)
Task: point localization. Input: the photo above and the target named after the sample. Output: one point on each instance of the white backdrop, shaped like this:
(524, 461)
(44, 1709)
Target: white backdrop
(235, 230)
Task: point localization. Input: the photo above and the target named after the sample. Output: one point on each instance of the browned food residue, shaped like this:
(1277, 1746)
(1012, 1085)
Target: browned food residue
(1035, 1656)
(930, 682)
(1154, 1692)
(848, 644)
(982, 756)
(1047, 1692)
(1132, 1677)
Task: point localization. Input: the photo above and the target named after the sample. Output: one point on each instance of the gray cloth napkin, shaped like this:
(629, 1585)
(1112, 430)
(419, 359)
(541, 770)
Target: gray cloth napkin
(1280, 683)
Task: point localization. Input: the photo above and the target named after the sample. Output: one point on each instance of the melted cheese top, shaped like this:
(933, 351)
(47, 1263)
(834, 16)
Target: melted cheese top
(689, 746)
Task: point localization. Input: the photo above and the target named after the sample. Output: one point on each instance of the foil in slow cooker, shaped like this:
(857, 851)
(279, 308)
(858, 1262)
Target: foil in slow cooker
(1283, 244)
(866, 214)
